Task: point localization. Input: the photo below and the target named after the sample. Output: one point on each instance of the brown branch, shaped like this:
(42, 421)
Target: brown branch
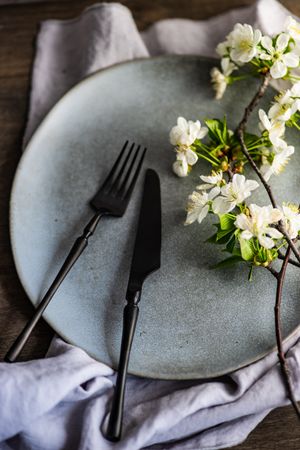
(230, 174)
(241, 130)
(240, 133)
(278, 329)
(291, 261)
(273, 271)
(294, 249)
(249, 109)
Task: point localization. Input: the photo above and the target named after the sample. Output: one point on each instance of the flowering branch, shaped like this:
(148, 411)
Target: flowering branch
(251, 234)
(240, 132)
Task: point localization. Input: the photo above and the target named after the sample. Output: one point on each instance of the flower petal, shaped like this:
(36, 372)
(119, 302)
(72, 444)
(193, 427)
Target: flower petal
(251, 185)
(182, 123)
(257, 36)
(204, 187)
(282, 42)
(265, 241)
(275, 215)
(290, 59)
(222, 206)
(264, 119)
(203, 213)
(191, 217)
(296, 89)
(278, 70)
(191, 157)
(246, 235)
(266, 42)
(241, 221)
(267, 171)
(180, 167)
(274, 233)
(265, 56)
(202, 132)
(214, 192)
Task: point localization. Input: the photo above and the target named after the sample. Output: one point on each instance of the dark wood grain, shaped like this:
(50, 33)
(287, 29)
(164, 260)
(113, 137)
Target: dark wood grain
(18, 27)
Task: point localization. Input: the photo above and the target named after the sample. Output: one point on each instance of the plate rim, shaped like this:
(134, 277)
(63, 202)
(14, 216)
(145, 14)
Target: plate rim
(22, 160)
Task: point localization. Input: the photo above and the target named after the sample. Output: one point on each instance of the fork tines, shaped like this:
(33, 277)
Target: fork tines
(121, 179)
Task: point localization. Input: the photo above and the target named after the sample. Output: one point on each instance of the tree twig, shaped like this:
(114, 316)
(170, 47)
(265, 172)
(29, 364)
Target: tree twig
(291, 261)
(273, 271)
(278, 329)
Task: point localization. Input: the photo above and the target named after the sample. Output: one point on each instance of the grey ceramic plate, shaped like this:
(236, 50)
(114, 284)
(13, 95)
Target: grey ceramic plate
(194, 322)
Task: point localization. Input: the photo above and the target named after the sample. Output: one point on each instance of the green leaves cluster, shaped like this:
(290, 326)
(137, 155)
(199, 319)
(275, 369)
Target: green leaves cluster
(223, 151)
(241, 250)
(294, 121)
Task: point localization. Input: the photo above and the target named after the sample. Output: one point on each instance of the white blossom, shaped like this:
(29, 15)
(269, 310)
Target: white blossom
(281, 158)
(275, 128)
(219, 82)
(198, 205)
(291, 219)
(284, 107)
(220, 79)
(295, 90)
(186, 132)
(282, 59)
(233, 193)
(257, 224)
(243, 42)
(292, 27)
(215, 179)
(180, 168)
(223, 47)
(185, 157)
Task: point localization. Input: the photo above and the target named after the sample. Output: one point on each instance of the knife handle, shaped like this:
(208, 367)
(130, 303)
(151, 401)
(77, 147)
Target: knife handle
(130, 316)
(78, 247)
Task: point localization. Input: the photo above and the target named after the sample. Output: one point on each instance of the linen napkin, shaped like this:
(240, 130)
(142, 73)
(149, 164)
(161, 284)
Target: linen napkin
(62, 402)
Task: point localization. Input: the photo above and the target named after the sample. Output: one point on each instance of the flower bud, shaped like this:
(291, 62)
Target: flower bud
(224, 165)
(239, 168)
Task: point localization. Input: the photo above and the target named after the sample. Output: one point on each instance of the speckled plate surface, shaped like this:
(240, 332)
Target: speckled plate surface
(194, 322)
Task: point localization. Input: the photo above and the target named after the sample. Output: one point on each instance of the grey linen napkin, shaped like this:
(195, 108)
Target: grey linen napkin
(63, 401)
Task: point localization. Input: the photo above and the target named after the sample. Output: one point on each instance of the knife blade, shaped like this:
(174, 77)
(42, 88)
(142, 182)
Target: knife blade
(145, 260)
(146, 254)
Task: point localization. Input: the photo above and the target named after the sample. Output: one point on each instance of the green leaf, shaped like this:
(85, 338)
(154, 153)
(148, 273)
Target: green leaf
(236, 251)
(250, 139)
(231, 246)
(227, 221)
(228, 262)
(225, 130)
(247, 250)
(217, 130)
(225, 234)
(221, 237)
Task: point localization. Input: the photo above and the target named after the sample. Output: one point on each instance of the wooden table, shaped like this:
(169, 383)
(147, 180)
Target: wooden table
(18, 27)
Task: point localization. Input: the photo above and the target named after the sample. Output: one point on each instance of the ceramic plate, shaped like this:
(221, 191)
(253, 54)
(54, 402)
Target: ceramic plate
(194, 322)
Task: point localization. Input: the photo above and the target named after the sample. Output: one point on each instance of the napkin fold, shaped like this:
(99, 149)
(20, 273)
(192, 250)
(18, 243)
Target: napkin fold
(62, 402)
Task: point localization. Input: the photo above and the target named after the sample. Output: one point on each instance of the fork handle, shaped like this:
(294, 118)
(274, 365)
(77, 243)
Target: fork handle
(78, 247)
(130, 316)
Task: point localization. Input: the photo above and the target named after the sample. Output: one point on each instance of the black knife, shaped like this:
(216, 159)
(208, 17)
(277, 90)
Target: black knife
(145, 260)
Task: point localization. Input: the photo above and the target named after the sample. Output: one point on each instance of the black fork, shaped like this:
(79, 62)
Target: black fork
(111, 199)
